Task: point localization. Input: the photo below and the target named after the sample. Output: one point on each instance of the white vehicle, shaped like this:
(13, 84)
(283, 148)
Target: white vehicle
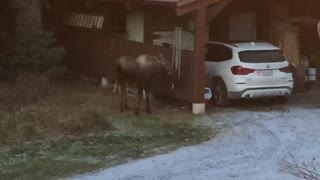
(247, 70)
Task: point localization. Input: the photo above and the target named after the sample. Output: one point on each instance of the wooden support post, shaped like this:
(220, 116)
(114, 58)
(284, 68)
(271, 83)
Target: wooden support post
(199, 63)
(148, 29)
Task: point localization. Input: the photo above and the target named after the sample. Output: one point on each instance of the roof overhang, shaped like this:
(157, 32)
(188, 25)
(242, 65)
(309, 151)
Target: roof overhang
(177, 3)
(195, 5)
(182, 6)
(187, 6)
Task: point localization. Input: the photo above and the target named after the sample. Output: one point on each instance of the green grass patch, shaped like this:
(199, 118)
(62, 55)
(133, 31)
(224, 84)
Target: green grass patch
(136, 137)
(51, 130)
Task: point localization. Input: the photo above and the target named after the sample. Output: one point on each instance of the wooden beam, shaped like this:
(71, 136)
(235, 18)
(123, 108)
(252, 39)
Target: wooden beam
(302, 20)
(195, 5)
(184, 2)
(215, 10)
(199, 62)
(148, 28)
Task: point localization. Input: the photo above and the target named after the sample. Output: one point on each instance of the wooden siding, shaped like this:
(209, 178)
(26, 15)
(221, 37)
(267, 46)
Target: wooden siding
(92, 53)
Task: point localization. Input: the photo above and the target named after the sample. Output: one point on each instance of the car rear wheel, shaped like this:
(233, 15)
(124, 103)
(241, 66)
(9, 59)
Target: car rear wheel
(220, 94)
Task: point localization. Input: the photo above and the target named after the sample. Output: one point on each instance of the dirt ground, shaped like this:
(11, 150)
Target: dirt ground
(168, 108)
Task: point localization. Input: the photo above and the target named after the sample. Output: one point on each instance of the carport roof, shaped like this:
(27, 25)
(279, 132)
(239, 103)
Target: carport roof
(185, 2)
(186, 6)
(177, 2)
(183, 6)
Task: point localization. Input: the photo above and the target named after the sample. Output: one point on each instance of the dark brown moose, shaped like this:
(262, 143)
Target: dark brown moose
(140, 71)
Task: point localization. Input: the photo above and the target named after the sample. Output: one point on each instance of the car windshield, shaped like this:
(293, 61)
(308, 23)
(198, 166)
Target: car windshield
(261, 56)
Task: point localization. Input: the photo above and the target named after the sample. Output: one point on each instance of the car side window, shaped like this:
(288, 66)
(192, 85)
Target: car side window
(218, 53)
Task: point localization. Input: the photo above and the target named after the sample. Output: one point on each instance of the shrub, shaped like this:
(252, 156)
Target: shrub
(36, 50)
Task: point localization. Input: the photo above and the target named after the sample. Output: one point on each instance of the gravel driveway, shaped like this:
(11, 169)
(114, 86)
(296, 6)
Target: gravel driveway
(252, 145)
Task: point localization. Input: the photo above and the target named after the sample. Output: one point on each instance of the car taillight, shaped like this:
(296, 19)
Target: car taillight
(287, 69)
(239, 70)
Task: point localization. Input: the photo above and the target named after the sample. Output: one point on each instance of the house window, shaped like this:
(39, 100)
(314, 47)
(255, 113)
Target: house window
(84, 20)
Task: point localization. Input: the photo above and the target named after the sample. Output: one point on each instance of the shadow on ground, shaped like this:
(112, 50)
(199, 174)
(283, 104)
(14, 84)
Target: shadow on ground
(309, 99)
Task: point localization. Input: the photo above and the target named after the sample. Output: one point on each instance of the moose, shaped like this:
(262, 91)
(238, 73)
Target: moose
(140, 71)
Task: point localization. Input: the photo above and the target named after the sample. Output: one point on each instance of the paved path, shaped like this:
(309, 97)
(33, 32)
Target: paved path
(252, 147)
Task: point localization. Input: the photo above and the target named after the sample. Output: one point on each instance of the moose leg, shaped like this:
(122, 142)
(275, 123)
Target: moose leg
(126, 107)
(120, 84)
(122, 88)
(140, 94)
(148, 101)
(115, 86)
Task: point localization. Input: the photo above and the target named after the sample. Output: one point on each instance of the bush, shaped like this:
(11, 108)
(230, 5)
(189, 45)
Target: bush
(36, 50)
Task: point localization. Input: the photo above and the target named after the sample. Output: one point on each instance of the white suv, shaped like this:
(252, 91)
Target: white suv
(247, 70)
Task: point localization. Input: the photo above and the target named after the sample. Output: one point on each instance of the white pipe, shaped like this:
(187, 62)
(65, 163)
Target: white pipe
(318, 28)
(179, 53)
(176, 48)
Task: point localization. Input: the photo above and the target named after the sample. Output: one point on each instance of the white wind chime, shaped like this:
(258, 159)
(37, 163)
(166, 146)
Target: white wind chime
(176, 52)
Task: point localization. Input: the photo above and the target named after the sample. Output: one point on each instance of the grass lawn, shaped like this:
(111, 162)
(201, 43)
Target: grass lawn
(76, 127)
